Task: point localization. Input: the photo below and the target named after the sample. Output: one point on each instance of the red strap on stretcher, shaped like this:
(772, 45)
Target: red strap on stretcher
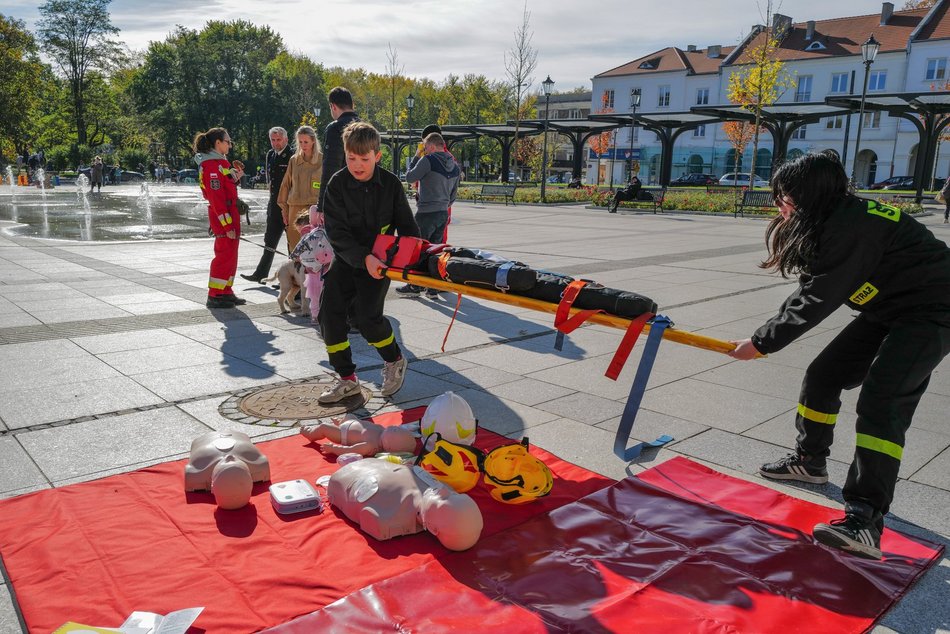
(561, 320)
(626, 345)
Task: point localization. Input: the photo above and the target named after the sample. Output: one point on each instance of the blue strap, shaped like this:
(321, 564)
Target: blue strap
(501, 276)
(559, 341)
(657, 326)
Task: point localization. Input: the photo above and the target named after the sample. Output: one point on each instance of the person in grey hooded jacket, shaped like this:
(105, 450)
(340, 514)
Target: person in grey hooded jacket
(438, 174)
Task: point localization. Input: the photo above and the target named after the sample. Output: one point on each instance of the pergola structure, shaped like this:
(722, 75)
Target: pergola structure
(667, 126)
(928, 111)
(781, 120)
(577, 130)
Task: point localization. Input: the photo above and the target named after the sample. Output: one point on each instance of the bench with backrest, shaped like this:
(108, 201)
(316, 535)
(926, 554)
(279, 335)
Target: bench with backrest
(652, 196)
(754, 199)
(496, 191)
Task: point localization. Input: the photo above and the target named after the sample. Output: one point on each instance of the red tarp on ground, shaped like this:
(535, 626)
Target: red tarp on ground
(682, 548)
(97, 551)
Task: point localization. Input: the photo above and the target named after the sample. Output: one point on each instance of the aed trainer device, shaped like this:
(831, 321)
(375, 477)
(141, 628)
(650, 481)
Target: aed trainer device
(294, 496)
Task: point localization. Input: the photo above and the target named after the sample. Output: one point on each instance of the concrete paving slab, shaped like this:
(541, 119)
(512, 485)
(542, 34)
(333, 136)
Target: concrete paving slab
(17, 469)
(580, 444)
(9, 622)
(36, 372)
(181, 355)
(587, 376)
(206, 412)
(650, 425)
(726, 408)
(586, 408)
(504, 416)
(210, 378)
(137, 340)
(530, 391)
(65, 401)
(100, 445)
(481, 377)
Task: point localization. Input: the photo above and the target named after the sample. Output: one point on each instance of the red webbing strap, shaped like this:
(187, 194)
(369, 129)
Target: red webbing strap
(626, 345)
(561, 320)
(458, 303)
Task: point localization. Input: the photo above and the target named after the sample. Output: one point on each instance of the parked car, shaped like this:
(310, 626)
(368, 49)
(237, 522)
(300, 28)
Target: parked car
(905, 183)
(893, 180)
(741, 180)
(695, 180)
(188, 176)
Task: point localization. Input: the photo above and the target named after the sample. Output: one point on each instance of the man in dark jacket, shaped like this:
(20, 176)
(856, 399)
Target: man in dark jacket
(275, 167)
(341, 109)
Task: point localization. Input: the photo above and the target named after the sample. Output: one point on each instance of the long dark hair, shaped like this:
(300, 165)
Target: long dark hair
(204, 141)
(818, 185)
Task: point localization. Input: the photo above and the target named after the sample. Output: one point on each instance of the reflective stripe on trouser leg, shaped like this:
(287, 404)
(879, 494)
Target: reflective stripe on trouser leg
(223, 266)
(894, 385)
(388, 349)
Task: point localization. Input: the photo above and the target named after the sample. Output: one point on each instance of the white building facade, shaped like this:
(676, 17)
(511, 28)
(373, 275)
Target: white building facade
(821, 59)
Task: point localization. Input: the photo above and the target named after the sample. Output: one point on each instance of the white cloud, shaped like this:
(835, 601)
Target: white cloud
(575, 40)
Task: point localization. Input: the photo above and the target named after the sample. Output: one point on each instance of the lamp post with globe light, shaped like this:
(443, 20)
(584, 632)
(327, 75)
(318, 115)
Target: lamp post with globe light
(868, 52)
(547, 85)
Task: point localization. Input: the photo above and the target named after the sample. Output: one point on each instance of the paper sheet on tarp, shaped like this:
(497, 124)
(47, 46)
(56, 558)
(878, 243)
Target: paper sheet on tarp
(681, 548)
(95, 552)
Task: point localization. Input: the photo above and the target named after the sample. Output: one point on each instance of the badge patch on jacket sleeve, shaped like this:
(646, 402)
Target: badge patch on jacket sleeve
(864, 294)
(215, 183)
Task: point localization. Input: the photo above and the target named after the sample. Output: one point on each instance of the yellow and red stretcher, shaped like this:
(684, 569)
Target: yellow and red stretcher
(568, 318)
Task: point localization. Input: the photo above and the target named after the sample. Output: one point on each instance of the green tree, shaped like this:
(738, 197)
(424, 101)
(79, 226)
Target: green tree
(760, 83)
(220, 76)
(76, 35)
(21, 77)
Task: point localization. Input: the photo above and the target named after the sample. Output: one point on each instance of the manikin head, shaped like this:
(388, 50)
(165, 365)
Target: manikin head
(397, 440)
(452, 517)
(231, 483)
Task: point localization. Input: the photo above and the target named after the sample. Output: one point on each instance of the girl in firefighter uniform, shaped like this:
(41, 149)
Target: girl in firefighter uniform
(888, 267)
(218, 181)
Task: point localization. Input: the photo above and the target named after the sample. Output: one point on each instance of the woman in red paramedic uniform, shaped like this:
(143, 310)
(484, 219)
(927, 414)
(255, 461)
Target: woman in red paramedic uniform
(218, 182)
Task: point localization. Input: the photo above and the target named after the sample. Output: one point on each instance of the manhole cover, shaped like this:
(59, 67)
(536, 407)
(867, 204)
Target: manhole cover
(288, 403)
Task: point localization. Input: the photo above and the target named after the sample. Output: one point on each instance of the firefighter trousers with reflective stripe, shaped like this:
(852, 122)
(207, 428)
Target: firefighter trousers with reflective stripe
(892, 363)
(343, 286)
(223, 266)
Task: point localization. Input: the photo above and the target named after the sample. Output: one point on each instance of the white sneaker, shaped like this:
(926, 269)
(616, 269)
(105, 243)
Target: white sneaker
(393, 376)
(337, 391)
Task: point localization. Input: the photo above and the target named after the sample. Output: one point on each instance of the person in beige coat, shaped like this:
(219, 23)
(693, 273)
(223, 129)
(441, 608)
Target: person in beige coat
(301, 185)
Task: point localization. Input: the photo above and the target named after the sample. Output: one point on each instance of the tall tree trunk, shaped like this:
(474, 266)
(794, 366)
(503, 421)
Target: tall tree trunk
(80, 113)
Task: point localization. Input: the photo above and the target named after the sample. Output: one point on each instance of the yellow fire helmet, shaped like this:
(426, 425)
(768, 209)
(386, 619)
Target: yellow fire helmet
(449, 415)
(514, 476)
(458, 466)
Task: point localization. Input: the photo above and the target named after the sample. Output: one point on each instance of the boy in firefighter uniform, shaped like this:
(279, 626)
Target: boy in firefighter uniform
(361, 202)
(888, 267)
(218, 180)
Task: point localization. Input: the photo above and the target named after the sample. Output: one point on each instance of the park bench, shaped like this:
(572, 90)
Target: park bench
(496, 191)
(652, 195)
(752, 199)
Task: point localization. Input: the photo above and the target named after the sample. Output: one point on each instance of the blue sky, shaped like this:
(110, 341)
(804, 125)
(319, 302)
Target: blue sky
(433, 38)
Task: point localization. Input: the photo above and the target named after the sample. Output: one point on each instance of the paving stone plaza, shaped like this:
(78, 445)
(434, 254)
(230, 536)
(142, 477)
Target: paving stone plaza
(110, 362)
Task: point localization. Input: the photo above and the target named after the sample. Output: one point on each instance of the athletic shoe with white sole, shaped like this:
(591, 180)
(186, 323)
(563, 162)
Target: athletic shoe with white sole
(337, 391)
(853, 534)
(795, 467)
(394, 373)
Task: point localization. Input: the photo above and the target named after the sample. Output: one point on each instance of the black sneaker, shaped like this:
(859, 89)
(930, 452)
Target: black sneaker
(218, 302)
(234, 299)
(409, 289)
(432, 293)
(795, 467)
(852, 533)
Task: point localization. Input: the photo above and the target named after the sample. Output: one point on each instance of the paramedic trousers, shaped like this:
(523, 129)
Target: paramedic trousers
(344, 286)
(272, 233)
(892, 364)
(223, 265)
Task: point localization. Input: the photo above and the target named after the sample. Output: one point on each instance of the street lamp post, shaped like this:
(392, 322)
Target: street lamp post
(410, 104)
(634, 103)
(868, 52)
(477, 148)
(546, 86)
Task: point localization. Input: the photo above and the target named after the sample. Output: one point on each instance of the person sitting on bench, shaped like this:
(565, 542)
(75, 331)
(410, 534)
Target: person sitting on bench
(630, 192)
